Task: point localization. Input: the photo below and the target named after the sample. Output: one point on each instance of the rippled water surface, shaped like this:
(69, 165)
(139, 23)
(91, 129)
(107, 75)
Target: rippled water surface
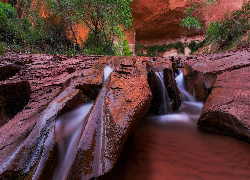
(172, 147)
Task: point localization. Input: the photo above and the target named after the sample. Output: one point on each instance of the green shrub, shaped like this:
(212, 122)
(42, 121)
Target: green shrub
(47, 35)
(125, 48)
(193, 46)
(140, 54)
(228, 30)
(103, 47)
(152, 51)
(179, 46)
(3, 48)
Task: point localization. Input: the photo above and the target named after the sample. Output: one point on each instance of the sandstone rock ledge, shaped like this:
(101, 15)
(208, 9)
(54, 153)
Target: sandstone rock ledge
(52, 85)
(227, 107)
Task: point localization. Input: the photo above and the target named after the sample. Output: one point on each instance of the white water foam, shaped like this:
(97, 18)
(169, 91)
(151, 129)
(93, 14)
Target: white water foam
(106, 72)
(185, 96)
(164, 93)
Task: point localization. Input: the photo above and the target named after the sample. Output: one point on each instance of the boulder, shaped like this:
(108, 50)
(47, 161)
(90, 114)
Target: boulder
(201, 70)
(222, 81)
(162, 65)
(227, 108)
(30, 100)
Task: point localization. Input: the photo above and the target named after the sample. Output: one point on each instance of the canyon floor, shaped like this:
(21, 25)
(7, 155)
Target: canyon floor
(37, 90)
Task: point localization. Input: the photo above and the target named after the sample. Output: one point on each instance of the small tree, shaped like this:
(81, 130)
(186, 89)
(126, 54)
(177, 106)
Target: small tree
(190, 21)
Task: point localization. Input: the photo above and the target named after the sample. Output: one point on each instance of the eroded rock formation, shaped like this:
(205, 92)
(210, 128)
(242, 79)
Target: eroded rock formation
(53, 85)
(45, 87)
(224, 80)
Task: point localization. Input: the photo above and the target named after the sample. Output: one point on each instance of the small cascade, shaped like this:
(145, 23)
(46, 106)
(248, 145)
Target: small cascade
(164, 93)
(185, 96)
(68, 130)
(106, 72)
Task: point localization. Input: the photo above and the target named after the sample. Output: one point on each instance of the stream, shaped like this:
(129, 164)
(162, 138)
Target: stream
(172, 147)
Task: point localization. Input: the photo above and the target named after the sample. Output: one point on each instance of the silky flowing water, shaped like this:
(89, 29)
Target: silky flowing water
(163, 92)
(172, 147)
(164, 146)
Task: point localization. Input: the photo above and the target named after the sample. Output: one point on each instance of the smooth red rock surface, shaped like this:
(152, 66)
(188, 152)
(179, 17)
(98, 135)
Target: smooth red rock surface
(158, 21)
(222, 79)
(57, 84)
(227, 108)
(120, 105)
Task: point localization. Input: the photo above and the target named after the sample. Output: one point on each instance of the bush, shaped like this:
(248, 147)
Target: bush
(230, 28)
(92, 47)
(125, 48)
(179, 46)
(193, 46)
(152, 51)
(11, 28)
(47, 35)
(140, 54)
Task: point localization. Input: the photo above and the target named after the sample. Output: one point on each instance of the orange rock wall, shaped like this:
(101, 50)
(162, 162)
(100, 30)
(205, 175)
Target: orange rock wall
(158, 21)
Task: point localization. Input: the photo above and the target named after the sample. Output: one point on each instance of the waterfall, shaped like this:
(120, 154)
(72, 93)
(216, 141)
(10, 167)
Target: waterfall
(163, 91)
(106, 72)
(185, 96)
(68, 130)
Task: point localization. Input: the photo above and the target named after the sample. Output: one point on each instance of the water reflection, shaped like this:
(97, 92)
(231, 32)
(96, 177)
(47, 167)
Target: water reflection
(172, 147)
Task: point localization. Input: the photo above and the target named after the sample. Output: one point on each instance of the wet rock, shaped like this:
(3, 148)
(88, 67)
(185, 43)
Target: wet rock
(172, 88)
(35, 144)
(156, 100)
(201, 70)
(27, 147)
(226, 110)
(41, 91)
(122, 102)
(222, 80)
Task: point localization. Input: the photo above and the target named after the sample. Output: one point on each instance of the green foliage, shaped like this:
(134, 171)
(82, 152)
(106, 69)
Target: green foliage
(191, 22)
(12, 29)
(103, 18)
(193, 46)
(47, 35)
(123, 46)
(103, 47)
(153, 51)
(179, 46)
(3, 48)
(230, 28)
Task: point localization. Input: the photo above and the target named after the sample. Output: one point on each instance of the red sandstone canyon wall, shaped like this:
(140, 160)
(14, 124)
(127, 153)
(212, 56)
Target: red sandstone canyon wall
(158, 21)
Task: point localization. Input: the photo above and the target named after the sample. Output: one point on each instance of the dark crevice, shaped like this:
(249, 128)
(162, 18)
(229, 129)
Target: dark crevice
(8, 71)
(90, 90)
(13, 98)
